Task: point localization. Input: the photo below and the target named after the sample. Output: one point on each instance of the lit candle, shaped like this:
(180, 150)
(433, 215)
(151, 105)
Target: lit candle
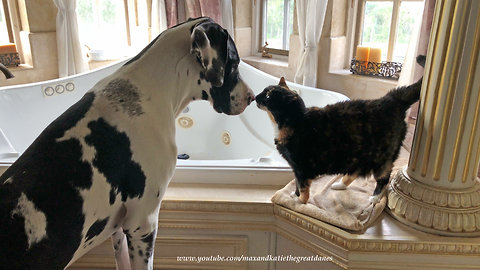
(375, 55)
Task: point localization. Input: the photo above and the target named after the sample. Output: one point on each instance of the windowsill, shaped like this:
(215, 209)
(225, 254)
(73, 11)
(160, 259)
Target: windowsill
(346, 72)
(21, 67)
(279, 61)
(95, 64)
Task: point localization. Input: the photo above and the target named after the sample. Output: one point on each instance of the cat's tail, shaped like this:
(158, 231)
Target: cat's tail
(411, 93)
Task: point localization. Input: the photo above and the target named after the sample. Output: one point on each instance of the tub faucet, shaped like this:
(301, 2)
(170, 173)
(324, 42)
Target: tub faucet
(5, 71)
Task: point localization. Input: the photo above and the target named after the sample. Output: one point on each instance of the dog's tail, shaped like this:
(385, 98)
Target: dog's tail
(408, 95)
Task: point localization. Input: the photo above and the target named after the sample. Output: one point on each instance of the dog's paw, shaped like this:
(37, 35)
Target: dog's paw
(339, 185)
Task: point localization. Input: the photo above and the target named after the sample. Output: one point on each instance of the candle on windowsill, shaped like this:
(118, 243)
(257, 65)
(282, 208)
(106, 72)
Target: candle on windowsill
(8, 48)
(362, 53)
(375, 55)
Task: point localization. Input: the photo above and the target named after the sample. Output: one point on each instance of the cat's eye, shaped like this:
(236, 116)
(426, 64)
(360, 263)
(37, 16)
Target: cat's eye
(268, 93)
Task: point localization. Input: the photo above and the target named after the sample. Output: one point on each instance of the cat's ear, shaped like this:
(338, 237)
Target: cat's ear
(282, 83)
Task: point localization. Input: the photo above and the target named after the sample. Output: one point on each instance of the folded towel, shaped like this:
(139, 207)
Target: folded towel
(348, 209)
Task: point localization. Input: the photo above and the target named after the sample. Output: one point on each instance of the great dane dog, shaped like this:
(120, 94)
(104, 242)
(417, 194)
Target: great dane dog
(100, 170)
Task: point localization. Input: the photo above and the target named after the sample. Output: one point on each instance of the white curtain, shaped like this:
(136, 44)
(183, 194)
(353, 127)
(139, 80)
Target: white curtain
(310, 15)
(71, 59)
(227, 16)
(407, 76)
(159, 17)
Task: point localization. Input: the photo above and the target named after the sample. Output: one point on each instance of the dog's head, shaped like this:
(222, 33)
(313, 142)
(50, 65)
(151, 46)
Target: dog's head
(283, 104)
(217, 54)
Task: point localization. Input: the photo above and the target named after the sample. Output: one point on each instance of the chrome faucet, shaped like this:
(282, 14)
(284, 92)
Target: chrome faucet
(5, 71)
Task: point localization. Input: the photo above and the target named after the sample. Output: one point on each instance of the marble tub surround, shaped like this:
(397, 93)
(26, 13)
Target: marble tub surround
(439, 191)
(215, 212)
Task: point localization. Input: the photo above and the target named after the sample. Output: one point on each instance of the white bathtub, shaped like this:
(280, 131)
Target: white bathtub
(222, 149)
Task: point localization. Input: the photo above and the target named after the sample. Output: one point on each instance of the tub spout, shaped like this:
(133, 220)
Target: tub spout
(5, 71)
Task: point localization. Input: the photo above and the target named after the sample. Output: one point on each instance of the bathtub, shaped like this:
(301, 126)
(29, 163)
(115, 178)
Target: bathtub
(221, 148)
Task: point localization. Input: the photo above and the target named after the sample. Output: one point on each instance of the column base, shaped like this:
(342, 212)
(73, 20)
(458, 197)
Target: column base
(432, 209)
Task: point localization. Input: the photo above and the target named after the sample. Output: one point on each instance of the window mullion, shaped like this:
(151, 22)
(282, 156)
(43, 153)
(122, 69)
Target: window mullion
(393, 29)
(127, 22)
(263, 32)
(8, 21)
(285, 24)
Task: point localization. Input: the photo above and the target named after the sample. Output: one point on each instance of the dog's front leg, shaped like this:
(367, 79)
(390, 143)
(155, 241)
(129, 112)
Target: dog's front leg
(140, 248)
(119, 240)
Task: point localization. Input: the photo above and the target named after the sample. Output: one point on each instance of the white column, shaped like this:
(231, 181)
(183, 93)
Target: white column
(439, 191)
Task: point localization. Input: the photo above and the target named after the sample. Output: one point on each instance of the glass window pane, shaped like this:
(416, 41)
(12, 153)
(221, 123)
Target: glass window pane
(409, 16)
(376, 25)
(277, 30)
(3, 26)
(102, 24)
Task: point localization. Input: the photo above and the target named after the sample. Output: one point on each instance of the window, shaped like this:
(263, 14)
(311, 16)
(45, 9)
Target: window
(6, 34)
(276, 25)
(388, 25)
(115, 28)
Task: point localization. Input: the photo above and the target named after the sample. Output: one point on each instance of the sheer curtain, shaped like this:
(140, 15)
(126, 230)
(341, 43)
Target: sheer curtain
(159, 17)
(71, 59)
(311, 15)
(412, 72)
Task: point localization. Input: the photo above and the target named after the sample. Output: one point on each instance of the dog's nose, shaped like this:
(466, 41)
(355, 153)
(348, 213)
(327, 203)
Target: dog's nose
(250, 98)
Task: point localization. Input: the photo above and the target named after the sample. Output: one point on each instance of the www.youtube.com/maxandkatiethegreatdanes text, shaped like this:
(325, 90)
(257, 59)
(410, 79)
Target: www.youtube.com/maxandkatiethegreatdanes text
(242, 258)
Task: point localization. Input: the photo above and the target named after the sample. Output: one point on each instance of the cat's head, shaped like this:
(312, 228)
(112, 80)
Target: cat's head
(281, 102)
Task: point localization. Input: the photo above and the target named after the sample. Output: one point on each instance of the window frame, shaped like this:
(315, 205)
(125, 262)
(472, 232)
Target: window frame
(393, 23)
(260, 25)
(8, 21)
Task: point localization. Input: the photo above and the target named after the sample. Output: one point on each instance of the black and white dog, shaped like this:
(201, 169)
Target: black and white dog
(100, 170)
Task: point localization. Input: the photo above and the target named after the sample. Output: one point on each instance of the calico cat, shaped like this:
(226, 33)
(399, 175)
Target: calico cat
(354, 138)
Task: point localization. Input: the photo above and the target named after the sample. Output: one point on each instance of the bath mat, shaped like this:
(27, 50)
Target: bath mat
(348, 209)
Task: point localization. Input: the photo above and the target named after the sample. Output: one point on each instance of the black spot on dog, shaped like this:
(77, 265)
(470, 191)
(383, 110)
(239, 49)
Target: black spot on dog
(136, 230)
(50, 173)
(146, 260)
(96, 228)
(158, 193)
(199, 81)
(149, 237)
(112, 196)
(188, 71)
(113, 158)
(122, 94)
(204, 95)
(140, 252)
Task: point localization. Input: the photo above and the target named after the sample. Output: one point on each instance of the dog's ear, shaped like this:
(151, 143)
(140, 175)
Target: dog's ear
(211, 56)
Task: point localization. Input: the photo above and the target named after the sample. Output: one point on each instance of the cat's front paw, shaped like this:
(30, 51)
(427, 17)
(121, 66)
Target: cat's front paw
(339, 185)
(374, 199)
